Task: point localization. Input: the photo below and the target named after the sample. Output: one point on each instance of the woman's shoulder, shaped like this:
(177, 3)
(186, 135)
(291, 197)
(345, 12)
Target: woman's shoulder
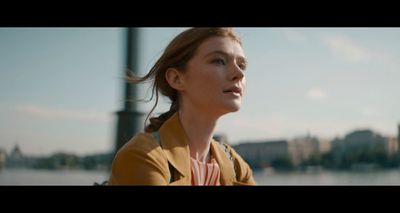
(140, 161)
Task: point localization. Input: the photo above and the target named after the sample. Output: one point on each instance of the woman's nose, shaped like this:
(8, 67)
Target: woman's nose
(236, 73)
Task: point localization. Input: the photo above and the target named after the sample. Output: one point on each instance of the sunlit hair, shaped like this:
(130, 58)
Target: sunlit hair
(176, 55)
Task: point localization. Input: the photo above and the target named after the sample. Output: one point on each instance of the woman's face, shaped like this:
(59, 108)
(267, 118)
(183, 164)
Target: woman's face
(214, 79)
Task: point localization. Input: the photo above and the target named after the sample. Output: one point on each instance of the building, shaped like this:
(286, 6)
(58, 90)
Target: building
(398, 136)
(16, 159)
(362, 146)
(262, 153)
(391, 146)
(265, 153)
(325, 146)
(361, 140)
(300, 149)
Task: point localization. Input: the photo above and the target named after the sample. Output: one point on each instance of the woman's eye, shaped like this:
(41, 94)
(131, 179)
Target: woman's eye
(242, 66)
(219, 61)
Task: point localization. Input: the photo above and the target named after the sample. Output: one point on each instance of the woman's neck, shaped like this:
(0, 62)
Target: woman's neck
(199, 129)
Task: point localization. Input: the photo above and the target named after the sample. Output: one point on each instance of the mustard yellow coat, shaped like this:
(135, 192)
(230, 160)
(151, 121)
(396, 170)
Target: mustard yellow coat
(142, 161)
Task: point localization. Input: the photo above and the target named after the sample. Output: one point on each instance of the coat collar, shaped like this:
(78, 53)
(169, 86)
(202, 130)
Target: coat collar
(176, 148)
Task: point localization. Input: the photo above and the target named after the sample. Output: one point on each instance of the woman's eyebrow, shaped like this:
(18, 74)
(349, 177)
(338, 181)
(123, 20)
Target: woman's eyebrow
(225, 54)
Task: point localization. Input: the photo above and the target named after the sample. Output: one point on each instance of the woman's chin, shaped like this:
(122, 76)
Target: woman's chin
(227, 107)
(233, 107)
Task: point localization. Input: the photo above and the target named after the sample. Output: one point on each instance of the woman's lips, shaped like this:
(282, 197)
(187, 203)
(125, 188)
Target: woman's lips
(235, 90)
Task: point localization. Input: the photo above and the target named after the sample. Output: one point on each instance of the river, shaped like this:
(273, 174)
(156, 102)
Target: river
(265, 177)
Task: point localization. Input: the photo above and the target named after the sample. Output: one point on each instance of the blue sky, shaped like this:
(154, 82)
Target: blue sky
(60, 87)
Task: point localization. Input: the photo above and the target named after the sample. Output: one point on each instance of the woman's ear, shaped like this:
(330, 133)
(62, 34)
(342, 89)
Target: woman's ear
(174, 79)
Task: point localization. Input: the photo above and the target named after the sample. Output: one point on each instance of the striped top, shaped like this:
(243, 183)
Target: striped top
(205, 174)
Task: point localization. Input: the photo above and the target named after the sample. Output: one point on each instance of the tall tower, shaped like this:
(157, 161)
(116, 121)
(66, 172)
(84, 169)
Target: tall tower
(398, 137)
(129, 118)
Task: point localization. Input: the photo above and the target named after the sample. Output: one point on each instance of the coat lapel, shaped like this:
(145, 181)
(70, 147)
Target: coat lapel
(175, 146)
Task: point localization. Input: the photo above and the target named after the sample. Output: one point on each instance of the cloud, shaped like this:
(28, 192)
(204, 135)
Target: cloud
(316, 93)
(293, 35)
(63, 114)
(345, 49)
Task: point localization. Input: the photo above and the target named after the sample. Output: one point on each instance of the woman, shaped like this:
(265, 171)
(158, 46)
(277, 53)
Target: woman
(202, 72)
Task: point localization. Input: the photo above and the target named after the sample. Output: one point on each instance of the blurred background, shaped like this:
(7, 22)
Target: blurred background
(321, 105)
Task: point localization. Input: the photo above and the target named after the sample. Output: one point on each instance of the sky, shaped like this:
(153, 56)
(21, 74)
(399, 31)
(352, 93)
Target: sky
(60, 87)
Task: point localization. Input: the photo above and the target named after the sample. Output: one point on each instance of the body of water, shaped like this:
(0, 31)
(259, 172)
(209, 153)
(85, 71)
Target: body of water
(46, 177)
(264, 177)
(326, 177)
